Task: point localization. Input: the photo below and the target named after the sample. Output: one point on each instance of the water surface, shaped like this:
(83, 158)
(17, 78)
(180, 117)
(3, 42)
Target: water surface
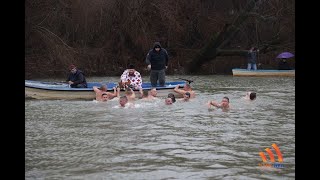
(90, 140)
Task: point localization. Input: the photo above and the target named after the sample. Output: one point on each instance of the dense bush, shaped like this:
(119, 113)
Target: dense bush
(102, 36)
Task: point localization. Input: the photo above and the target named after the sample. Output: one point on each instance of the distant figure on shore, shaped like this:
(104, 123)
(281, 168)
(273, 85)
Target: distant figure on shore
(252, 58)
(76, 78)
(157, 60)
(133, 77)
(251, 96)
(224, 104)
(283, 65)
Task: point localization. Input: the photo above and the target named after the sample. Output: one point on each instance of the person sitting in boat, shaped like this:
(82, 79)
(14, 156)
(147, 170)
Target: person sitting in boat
(103, 90)
(250, 96)
(132, 76)
(283, 65)
(224, 104)
(186, 88)
(76, 78)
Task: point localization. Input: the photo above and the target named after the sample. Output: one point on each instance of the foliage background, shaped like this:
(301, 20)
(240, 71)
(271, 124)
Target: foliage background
(102, 37)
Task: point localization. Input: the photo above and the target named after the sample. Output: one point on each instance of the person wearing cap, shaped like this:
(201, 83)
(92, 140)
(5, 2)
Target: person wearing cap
(132, 76)
(76, 78)
(157, 60)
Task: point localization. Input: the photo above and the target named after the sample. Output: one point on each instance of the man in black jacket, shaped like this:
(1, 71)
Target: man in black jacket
(157, 60)
(76, 78)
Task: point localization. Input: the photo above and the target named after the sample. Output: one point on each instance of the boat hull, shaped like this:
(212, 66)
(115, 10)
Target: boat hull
(263, 72)
(36, 93)
(59, 91)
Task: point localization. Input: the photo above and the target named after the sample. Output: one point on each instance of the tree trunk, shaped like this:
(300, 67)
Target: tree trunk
(210, 51)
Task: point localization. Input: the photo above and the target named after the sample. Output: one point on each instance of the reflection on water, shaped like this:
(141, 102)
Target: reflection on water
(91, 140)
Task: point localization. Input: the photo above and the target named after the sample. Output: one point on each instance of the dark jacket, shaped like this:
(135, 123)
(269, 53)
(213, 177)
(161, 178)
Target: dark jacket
(283, 65)
(252, 57)
(77, 78)
(158, 60)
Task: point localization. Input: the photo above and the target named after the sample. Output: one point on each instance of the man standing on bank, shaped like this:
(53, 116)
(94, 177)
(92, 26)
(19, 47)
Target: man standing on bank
(252, 58)
(157, 60)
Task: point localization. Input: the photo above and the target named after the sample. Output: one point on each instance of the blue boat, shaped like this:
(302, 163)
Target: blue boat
(57, 90)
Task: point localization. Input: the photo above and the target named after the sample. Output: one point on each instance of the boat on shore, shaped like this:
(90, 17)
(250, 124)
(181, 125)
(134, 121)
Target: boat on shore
(263, 72)
(62, 91)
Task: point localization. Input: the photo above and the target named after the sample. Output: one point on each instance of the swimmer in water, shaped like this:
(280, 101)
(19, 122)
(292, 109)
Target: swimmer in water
(224, 104)
(251, 96)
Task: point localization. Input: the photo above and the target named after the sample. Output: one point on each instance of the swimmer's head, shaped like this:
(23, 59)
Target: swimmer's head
(186, 96)
(225, 99)
(172, 96)
(104, 97)
(123, 100)
(168, 101)
(252, 95)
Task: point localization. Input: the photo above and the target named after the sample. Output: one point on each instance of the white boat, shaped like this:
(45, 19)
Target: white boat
(263, 72)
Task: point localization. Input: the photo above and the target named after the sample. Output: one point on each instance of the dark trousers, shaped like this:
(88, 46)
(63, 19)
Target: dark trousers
(156, 75)
(78, 86)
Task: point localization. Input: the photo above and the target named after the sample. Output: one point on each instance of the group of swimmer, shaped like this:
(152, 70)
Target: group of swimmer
(127, 100)
(157, 60)
(129, 95)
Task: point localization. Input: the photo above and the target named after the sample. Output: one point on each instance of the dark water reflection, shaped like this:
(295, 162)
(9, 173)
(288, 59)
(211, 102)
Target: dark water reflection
(89, 140)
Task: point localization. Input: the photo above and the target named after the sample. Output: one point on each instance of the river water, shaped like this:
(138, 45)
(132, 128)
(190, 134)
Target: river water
(91, 140)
